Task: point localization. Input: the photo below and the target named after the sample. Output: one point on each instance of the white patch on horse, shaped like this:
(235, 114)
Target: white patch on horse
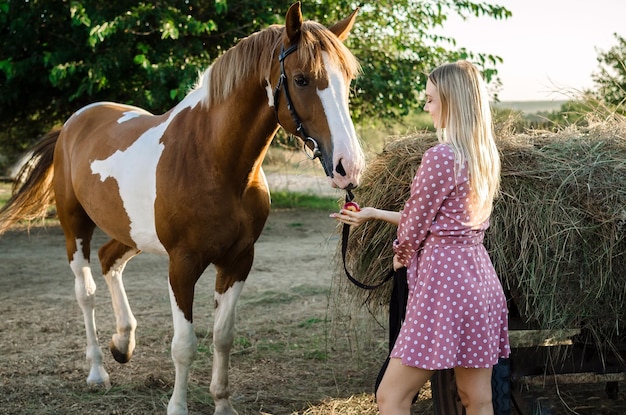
(335, 102)
(203, 85)
(226, 305)
(270, 93)
(131, 109)
(80, 266)
(223, 332)
(266, 183)
(184, 345)
(135, 172)
(85, 291)
(129, 115)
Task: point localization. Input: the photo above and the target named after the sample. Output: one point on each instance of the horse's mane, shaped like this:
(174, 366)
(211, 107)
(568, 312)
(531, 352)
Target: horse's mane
(256, 53)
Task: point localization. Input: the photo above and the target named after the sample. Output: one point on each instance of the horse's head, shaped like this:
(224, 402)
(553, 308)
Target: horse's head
(311, 97)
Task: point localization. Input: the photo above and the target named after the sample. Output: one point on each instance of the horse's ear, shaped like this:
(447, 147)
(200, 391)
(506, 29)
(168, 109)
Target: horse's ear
(293, 23)
(343, 27)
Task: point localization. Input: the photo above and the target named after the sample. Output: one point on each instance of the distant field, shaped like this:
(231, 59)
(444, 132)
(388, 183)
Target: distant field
(530, 107)
(5, 193)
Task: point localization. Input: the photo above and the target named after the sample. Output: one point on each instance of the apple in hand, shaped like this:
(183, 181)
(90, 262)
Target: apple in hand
(352, 206)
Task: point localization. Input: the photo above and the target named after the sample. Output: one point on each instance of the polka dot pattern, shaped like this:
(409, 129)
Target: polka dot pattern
(456, 312)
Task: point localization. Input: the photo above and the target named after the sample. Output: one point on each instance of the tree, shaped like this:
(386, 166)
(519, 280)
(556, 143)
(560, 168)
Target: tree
(397, 46)
(611, 78)
(59, 55)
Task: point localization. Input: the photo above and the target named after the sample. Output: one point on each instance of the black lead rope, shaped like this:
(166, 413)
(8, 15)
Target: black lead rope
(344, 248)
(397, 301)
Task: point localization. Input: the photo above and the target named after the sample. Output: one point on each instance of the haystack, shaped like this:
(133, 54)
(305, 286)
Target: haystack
(557, 236)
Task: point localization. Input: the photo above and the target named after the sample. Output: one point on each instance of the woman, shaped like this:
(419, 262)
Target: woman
(456, 314)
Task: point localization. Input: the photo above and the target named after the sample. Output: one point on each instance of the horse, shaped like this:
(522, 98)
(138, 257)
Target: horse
(189, 183)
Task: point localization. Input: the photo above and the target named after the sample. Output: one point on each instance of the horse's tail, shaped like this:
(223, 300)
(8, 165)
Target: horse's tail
(32, 191)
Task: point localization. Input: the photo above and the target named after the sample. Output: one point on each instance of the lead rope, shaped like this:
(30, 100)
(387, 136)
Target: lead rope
(399, 291)
(397, 301)
(344, 248)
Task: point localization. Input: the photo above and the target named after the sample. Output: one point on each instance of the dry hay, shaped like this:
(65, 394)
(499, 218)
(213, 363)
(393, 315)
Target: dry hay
(556, 235)
(365, 404)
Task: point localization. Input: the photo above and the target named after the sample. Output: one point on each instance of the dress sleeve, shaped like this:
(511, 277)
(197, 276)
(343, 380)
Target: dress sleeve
(432, 183)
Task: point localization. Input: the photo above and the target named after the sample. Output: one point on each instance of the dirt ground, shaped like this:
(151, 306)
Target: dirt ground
(289, 354)
(296, 350)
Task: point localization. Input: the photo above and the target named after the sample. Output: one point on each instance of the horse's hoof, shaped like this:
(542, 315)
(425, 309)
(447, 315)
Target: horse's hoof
(173, 409)
(99, 384)
(223, 407)
(98, 378)
(118, 355)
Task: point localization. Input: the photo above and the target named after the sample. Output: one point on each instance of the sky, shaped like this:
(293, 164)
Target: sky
(549, 47)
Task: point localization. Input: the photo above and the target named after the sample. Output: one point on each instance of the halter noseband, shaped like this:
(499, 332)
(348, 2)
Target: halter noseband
(282, 81)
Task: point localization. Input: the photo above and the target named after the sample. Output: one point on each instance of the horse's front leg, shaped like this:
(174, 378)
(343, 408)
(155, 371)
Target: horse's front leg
(85, 290)
(228, 286)
(113, 258)
(182, 279)
(223, 337)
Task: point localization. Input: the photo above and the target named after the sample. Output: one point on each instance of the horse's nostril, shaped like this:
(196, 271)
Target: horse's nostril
(340, 169)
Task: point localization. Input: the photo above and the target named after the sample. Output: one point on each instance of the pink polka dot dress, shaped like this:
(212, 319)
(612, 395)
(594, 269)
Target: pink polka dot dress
(456, 311)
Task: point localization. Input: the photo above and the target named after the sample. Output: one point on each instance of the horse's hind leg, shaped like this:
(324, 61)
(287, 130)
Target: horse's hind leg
(113, 258)
(77, 241)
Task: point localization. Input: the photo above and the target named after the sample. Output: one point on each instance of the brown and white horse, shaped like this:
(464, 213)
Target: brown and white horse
(189, 184)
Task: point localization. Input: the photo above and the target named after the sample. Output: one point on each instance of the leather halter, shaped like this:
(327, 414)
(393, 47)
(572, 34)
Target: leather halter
(315, 152)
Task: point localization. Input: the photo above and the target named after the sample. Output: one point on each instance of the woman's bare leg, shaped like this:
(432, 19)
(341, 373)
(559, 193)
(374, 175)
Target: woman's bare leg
(474, 387)
(398, 387)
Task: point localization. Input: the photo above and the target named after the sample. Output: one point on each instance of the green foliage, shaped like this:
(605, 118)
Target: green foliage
(58, 55)
(397, 46)
(611, 78)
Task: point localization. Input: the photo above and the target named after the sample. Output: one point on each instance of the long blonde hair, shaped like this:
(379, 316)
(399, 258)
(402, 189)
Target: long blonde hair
(466, 125)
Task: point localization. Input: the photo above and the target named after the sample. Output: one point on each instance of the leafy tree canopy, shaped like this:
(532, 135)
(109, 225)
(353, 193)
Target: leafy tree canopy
(610, 79)
(59, 55)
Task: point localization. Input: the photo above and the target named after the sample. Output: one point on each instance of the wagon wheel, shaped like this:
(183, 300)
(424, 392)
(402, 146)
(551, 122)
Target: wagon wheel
(446, 401)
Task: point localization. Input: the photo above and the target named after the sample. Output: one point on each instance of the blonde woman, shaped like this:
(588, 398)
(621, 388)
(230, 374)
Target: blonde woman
(456, 315)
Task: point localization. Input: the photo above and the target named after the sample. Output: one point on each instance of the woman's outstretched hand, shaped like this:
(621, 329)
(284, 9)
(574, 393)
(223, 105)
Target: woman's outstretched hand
(352, 216)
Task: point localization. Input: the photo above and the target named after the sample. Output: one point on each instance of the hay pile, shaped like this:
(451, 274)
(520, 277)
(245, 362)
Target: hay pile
(557, 236)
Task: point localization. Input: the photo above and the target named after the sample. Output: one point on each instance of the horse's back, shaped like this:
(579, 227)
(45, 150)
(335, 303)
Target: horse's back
(104, 126)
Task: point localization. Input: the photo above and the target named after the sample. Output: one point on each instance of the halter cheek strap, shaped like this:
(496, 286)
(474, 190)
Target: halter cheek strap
(315, 152)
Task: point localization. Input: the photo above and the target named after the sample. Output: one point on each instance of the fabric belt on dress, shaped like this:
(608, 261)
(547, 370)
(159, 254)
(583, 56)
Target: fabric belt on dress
(465, 240)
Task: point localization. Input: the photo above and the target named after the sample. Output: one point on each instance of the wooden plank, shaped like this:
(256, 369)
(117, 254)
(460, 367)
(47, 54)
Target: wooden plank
(570, 378)
(533, 338)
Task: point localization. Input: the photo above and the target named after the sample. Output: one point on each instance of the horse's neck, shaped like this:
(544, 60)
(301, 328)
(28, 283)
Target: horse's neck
(237, 131)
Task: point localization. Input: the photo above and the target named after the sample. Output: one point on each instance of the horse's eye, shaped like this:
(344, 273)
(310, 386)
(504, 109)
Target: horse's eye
(301, 80)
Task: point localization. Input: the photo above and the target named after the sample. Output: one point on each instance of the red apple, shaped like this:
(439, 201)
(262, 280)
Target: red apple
(352, 206)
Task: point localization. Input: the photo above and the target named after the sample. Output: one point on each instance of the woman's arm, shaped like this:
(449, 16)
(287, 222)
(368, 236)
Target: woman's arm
(367, 213)
(431, 185)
